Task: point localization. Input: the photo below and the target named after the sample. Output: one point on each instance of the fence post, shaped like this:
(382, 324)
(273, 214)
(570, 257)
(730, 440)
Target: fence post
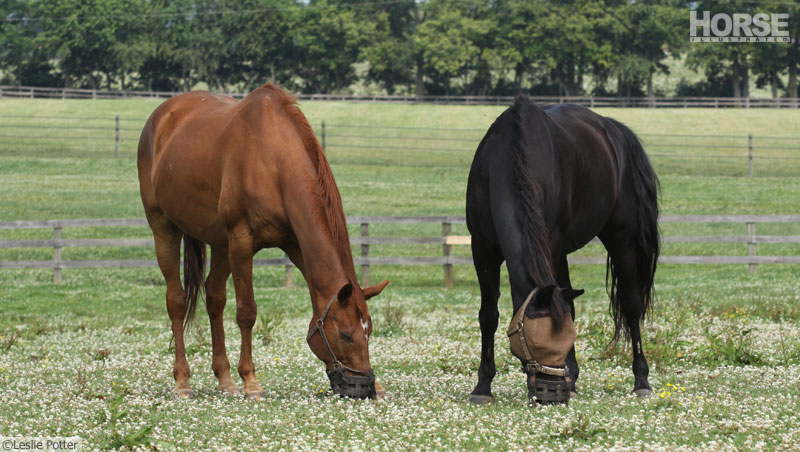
(750, 152)
(365, 254)
(289, 277)
(323, 136)
(57, 255)
(752, 247)
(116, 136)
(448, 268)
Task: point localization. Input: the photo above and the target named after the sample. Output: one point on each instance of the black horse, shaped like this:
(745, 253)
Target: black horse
(543, 183)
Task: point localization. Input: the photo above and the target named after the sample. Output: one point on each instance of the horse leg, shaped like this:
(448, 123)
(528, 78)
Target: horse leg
(240, 253)
(168, 253)
(562, 276)
(487, 266)
(216, 285)
(630, 301)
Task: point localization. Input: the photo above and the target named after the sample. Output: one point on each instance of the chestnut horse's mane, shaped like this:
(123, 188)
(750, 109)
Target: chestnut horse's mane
(327, 191)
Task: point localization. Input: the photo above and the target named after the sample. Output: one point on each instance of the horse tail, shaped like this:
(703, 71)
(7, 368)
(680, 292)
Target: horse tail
(648, 242)
(530, 129)
(194, 261)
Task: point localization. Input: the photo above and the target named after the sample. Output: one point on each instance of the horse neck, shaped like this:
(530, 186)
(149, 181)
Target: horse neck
(326, 266)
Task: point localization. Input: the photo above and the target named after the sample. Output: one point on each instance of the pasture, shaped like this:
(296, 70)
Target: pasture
(91, 357)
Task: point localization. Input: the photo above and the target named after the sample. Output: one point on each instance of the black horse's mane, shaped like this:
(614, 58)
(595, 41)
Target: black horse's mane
(535, 233)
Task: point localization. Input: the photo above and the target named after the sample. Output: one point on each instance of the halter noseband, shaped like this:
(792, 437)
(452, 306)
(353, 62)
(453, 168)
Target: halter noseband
(343, 384)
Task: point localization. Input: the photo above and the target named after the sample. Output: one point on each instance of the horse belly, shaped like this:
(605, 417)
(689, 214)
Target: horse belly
(590, 212)
(187, 191)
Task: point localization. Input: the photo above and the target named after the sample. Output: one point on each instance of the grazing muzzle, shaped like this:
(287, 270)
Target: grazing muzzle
(543, 353)
(361, 385)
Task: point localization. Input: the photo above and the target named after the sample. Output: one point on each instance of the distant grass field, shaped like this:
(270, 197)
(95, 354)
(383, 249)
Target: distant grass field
(723, 344)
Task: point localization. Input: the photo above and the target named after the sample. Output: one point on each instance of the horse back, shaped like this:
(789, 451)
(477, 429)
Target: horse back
(209, 162)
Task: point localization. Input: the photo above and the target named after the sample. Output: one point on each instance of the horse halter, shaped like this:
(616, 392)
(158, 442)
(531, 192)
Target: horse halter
(359, 386)
(532, 340)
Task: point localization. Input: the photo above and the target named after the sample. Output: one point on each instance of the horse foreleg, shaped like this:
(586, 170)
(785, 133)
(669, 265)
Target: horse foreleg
(240, 253)
(562, 276)
(216, 285)
(487, 267)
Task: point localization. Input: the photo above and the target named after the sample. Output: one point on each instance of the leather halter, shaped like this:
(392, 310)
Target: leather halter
(530, 365)
(337, 365)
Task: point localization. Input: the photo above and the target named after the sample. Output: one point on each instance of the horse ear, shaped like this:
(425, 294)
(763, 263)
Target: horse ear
(372, 291)
(344, 293)
(571, 294)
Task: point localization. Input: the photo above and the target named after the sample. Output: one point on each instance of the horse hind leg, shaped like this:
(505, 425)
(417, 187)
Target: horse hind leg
(628, 298)
(168, 253)
(240, 254)
(216, 285)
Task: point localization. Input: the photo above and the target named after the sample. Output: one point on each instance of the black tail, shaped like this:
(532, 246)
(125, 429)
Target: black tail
(648, 242)
(194, 261)
(530, 129)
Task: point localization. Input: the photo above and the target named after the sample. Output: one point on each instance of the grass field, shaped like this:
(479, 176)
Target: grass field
(91, 357)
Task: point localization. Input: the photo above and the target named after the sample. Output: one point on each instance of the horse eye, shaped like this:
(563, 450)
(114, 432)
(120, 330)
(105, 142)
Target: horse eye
(346, 337)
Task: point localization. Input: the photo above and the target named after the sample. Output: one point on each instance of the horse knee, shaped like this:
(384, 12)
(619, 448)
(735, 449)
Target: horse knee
(246, 315)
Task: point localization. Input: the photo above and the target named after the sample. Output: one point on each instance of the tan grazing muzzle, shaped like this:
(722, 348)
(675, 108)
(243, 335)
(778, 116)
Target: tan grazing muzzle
(543, 353)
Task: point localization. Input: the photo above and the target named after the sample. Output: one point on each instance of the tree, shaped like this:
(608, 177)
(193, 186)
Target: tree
(645, 33)
(390, 47)
(327, 38)
(22, 62)
(79, 34)
(447, 41)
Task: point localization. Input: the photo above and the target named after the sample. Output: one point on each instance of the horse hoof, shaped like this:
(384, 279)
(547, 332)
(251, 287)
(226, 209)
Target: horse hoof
(229, 391)
(380, 391)
(573, 395)
(477, 399)
(183, 393)
(255, 395)
(644, 392)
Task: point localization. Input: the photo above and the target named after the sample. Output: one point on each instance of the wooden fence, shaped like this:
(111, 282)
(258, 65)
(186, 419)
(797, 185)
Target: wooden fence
(33, 92)
(745, 154)
(365, 240)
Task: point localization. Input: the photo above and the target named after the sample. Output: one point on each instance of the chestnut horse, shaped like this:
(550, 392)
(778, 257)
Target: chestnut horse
(242, 176)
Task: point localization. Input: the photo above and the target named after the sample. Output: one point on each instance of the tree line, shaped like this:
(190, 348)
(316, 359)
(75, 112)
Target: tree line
(422, 47)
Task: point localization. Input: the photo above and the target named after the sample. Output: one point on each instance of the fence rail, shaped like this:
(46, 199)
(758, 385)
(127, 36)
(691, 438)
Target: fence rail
(33, 92)
(365, 240)
(730, 155)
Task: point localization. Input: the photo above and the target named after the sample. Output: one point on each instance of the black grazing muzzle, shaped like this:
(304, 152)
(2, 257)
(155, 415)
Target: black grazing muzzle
(355, 386)
(361, 385)
(548, 386)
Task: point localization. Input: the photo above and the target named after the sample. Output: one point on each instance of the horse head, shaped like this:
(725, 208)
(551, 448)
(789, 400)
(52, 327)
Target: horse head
(339, 337)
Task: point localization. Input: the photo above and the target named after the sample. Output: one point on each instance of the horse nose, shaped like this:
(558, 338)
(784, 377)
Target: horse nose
(361, 386)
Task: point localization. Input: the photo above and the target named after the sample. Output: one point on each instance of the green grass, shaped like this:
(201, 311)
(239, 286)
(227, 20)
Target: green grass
(723, 343)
